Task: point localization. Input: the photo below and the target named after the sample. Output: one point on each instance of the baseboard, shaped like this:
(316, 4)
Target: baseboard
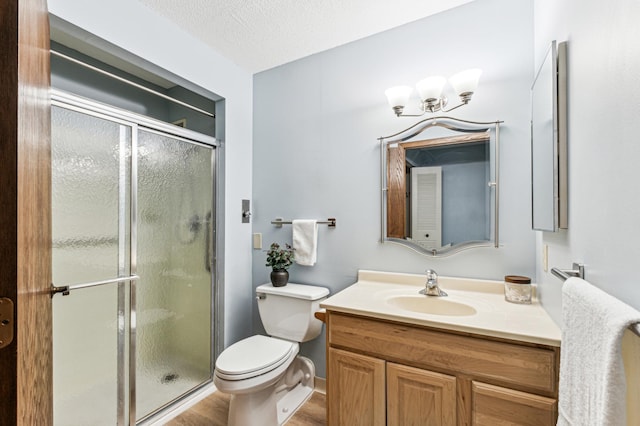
(320, 385)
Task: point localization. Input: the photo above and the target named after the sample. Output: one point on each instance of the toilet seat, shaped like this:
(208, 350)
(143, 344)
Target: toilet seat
(254, 356)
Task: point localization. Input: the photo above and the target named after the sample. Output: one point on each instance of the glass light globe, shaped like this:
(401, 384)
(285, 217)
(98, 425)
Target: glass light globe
(431, 87)
(465, 82)
(398, 96)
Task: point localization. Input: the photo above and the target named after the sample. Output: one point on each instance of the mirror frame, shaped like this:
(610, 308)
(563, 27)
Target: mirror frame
(555, 65)
(455, 125)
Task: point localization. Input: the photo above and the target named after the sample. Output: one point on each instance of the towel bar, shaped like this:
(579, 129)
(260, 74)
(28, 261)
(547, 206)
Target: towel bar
(578, 271)
(565, 274)
(278, 222)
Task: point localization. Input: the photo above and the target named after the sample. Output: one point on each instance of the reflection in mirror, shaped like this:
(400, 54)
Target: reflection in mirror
(549, 142)
(441, 193)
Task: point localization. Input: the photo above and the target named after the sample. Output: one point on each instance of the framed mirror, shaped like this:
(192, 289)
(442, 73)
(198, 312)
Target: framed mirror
(549, 142)
(440, 186)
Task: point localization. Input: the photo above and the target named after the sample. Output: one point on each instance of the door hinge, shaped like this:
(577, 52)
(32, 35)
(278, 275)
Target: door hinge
(6, 322)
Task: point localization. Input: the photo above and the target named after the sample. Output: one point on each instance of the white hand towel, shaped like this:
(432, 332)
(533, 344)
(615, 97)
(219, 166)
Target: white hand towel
(305, 241)
(592, 379)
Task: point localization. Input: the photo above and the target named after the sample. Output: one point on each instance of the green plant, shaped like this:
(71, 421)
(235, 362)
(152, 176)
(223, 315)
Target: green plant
(279, 258)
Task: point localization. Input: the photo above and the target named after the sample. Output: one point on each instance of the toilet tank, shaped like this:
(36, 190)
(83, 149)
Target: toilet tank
(287, 312)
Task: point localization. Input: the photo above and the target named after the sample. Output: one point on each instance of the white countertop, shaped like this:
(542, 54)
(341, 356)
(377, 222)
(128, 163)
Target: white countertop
(494, 316)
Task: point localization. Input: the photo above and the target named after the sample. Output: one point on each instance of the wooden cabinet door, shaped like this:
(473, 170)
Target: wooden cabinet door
(355, 390)
(496, 406)
(419, 397)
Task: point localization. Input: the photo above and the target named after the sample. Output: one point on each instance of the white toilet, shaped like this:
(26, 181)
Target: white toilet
(265, 376)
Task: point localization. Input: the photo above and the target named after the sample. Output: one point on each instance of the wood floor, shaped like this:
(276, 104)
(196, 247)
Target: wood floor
(213, 411)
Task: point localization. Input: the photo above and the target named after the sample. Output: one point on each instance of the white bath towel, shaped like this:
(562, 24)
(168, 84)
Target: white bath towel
(305, 241)
(592, 379)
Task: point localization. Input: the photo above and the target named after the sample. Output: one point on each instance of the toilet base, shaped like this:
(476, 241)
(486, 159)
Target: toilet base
(274, 405)
(293, 400)
(253, 409)
(304, 375)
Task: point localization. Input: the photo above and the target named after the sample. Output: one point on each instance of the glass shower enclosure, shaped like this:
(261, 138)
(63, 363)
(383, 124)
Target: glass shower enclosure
(133, 238)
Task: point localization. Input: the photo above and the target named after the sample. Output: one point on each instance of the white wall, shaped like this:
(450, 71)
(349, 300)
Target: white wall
(131, 26)
(316, 155)
(604, 193)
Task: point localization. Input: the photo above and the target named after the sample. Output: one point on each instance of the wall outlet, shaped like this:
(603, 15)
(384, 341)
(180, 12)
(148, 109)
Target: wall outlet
(257, 241)
(545, 258)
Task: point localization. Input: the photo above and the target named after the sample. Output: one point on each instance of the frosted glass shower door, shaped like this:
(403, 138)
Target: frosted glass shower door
(90, 210)
(133, 236)
(173, 296)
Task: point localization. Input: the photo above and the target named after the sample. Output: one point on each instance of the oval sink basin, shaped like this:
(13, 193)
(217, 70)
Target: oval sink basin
(432, 305)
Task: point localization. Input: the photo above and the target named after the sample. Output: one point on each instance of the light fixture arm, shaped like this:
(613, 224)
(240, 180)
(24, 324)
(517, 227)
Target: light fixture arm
(442, 102)
(464, 102)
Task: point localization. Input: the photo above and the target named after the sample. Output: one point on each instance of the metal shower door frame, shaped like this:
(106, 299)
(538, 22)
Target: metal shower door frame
(126, 415)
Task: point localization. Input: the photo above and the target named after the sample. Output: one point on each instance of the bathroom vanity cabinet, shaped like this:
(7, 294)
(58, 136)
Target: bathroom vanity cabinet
(386, 372)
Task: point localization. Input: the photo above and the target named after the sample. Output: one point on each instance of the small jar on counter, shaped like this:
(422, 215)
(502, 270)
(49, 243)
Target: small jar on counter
(517, 289)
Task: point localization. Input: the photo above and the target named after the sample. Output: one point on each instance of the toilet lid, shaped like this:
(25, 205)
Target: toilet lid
(254, 354)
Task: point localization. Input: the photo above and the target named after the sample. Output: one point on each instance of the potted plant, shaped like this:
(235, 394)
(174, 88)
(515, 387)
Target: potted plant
(280, 259)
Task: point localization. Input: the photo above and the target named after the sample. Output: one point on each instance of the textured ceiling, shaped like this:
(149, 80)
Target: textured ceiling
(261, 34)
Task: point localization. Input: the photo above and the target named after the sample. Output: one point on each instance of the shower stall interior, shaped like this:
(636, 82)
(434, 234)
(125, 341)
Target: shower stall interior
(133, 238)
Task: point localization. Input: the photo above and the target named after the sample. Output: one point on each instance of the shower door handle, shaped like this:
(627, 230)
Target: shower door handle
(207, 242)
(67, 288)
(61, 289)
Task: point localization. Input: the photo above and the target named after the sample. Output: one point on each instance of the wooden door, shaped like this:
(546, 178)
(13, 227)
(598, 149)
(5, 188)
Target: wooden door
(494, 406)
(25, 217)
(396, 193)
(419, 397)
(356, 389)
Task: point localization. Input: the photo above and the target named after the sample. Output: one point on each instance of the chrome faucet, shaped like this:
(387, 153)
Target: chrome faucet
(431, 286)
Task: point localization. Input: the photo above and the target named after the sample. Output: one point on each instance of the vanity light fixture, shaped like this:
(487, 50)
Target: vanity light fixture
(430, 91)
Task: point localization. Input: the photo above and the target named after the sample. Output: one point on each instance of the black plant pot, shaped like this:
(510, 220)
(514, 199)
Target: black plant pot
(279, 277)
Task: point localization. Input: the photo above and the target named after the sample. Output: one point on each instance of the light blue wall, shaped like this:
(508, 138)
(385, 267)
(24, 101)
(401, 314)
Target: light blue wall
(465, 202)
(604, 196)
(466, 197)
(315, 130)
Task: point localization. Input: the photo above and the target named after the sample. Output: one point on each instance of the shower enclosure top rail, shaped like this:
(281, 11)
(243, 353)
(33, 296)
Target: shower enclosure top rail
(76, 103)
